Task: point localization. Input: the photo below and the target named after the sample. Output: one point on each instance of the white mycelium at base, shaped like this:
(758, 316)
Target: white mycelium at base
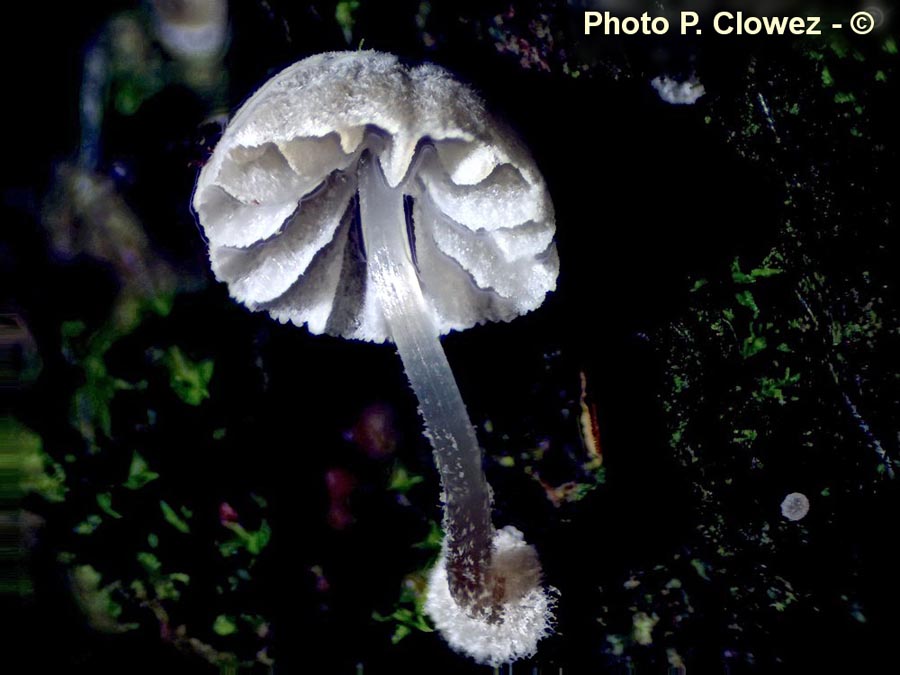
(527, 608)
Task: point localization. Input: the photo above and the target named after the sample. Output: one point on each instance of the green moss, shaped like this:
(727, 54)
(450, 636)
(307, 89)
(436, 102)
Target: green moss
(408, 614)
(224, 625)
(745, 436)
(97, 600)
(165, 586)
(700, 568)
(344, 14)
(433, 540)
(104, 501)
(642, 627)
(139, 473)
(188, 379)
(753, 345)
(173, 518)
(745, 299)
(774, 387)
(149, 562)
(34, 471)
(89, 525)
(402, 480)
(251, 541)
(763, 272)
(700, 283)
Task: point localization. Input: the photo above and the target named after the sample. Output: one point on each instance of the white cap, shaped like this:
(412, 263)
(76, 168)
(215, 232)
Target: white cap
(276, 199)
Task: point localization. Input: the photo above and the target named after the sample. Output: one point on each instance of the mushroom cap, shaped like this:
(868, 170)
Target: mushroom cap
(277, 198)
(795, 506)
(192, 28)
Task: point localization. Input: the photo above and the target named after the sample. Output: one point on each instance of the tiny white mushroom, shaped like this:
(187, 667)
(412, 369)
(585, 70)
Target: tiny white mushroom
(369, 200)
(795, 506)
(191, 28)
(678, 93)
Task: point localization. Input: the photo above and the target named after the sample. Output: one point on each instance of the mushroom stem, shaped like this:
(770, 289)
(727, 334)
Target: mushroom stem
(466, 494)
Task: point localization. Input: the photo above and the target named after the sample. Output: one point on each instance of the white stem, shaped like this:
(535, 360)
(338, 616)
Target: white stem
(467, 499)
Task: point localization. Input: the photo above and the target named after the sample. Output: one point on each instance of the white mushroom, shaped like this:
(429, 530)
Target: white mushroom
(373, 201)
(191, 29)
(795, 506)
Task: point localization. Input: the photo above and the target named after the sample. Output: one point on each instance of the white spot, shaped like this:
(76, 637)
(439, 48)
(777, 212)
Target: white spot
(678, 93)
(795, 506)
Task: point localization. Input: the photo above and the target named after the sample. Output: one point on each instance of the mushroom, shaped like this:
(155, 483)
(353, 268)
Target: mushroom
(191, 29)
(373, 201)
(795, 506)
